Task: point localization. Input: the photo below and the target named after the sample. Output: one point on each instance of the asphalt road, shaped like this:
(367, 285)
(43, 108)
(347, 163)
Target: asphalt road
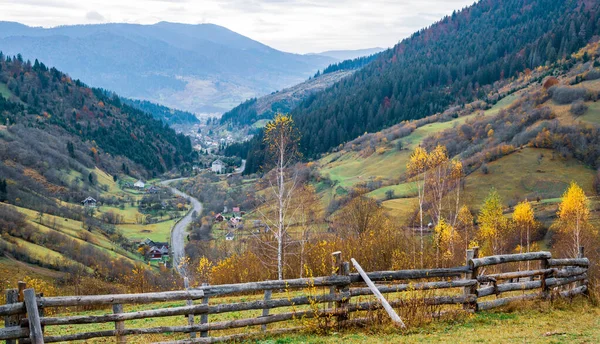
(178, 233)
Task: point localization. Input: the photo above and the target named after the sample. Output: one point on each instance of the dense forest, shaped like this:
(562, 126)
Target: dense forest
(45, 98)
(162, 113)
(454, 61)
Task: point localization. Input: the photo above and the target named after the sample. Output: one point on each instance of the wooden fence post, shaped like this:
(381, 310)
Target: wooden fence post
(471, 274)
(582, 255)
(186, 284)
(545, 290)
(119, 325)
(35, 327)
(265, 312)
(336, 261)
(12, 296)
(343, 305)
(204, 317)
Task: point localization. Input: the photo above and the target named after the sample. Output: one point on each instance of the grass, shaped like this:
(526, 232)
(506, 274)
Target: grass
(592, 115)
(160, 231)
(578, 323)
(4, 91)
(520, 175)
(349, 168)
(401, 190)
(128, 212)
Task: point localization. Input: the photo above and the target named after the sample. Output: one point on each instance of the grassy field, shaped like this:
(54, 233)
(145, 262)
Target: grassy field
(160, 231)
(577, 323)
(4, 91)
(349, 168)
(401, 190)
(592, 115)
(526, 174)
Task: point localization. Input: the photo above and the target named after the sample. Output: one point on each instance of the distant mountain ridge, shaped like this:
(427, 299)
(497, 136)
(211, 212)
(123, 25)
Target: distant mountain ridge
(350, 54)
(198, 68)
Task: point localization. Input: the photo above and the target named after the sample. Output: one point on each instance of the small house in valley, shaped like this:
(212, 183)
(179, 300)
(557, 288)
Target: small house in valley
(139, 184)
(217, 166)
(219, 218)
(230, 236)
(89, 202)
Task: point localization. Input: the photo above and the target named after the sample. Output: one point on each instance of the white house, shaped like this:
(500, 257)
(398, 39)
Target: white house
(89, 202)
(217, 166)
(139, 184)
(230, 236)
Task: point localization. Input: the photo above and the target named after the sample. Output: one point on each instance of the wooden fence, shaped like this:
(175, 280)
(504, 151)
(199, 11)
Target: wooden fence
(467, 288)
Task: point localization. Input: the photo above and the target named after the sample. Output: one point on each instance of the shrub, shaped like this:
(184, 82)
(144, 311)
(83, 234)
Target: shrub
(485, 169)
(592, 75)
(578, 108)
(389, 194)
(566, 95)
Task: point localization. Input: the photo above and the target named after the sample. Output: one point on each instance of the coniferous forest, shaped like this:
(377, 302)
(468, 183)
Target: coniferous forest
(453, 61)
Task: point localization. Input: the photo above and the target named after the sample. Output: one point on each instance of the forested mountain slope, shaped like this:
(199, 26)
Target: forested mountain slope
(453, 61)
(263, 108)
(163, 113)
(199, 68)
(53, 125)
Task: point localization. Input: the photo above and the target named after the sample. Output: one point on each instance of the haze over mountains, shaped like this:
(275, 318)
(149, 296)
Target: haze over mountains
(350, 54)
(199, 68)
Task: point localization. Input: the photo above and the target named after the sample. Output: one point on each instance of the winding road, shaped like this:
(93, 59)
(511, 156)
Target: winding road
(178, 233)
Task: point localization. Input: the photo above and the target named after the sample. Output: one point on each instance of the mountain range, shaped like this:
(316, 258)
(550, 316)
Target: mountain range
(198, 68)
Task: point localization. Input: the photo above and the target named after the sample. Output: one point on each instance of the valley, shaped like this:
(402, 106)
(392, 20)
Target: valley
(433, 191)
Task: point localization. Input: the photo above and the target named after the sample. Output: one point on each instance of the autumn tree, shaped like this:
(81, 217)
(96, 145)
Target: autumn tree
(281, 139)
(492, 223)
(417, 169)
(445, 237)
(464, 223)
(524, 221)
(574, 216)
(444, 176)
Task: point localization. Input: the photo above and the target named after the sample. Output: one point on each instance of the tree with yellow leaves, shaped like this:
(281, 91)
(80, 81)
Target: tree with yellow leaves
(492, 224)
(281, 138)
(464, 223)
(417, 169)
(574, 215)
(444, 237)
(524, 221)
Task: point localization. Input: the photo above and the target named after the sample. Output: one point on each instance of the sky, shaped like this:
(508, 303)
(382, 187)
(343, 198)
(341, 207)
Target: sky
(299, 26)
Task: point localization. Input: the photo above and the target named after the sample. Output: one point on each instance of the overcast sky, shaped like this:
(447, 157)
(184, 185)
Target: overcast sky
(299, 26)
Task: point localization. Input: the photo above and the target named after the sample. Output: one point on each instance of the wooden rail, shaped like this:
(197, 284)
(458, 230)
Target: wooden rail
(465, 289)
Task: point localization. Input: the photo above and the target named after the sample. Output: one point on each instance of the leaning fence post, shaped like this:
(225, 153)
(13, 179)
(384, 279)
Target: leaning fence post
(265, 311)
(119, 325)
(12, 296)
(204, 317)
(35, 327)
(186, 284)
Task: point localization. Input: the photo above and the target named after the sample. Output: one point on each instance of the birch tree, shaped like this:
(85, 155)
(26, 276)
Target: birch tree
(574, 215)
(281, 138)
(417, 168)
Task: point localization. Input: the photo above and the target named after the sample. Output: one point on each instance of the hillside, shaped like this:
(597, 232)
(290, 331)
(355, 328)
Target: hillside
(163, 113)
(256, 110)
(456, 60)
(198, 68)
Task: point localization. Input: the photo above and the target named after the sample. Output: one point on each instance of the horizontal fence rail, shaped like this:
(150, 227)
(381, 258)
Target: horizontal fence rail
(466, 288)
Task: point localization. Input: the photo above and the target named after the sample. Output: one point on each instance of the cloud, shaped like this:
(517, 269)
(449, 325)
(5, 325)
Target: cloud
(94, 16)
(299, 26)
